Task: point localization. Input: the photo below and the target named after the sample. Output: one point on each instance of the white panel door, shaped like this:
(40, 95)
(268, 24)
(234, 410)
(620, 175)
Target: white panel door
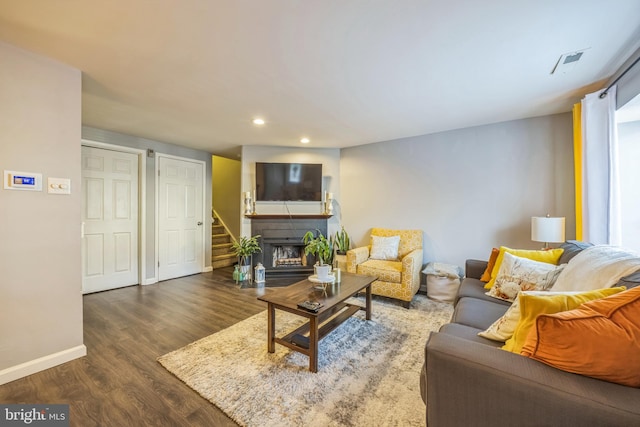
(180, 218)
(110, 219)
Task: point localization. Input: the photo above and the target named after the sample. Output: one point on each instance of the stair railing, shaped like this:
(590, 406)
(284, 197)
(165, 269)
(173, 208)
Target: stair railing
(215, 215)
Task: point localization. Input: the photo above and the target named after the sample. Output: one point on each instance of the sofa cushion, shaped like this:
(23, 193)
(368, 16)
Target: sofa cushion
(468, 333)
(551, 256)
(474, 288)
(473, 268)
(600, 339)
(630, 281)
(570, 249)
(386, 271)
(477, 313)
(532, 306)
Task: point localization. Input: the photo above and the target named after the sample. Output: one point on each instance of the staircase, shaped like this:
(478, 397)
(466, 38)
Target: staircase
(221, 254)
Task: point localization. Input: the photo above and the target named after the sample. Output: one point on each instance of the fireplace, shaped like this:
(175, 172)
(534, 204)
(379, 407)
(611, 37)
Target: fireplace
(282, 246)
(288, 255)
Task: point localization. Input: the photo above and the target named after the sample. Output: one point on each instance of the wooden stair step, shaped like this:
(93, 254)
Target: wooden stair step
(224, 256)
(226, 245)
(221, 243)
(217, 239)
(221, 249)
(225, 260)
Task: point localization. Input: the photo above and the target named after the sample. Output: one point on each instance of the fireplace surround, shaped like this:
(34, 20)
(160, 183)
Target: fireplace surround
(282, 246)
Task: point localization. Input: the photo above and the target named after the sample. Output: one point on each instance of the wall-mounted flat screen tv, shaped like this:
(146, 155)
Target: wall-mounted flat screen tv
(288, 182)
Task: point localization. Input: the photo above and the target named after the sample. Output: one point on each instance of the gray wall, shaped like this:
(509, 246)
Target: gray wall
(629, 140)
(468, 189)
(40, 258)
(114, 138)
(226, 192)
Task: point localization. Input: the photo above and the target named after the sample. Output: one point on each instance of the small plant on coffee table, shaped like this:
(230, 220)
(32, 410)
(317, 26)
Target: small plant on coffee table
(322, 248)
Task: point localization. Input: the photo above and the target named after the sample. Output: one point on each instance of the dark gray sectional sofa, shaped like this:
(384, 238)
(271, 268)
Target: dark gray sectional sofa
(468, 380)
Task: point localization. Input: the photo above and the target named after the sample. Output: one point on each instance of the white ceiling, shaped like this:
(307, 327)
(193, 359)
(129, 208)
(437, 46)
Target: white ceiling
(341, 72)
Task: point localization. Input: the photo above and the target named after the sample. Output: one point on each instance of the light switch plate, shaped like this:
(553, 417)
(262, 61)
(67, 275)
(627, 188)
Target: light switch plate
(59, 185)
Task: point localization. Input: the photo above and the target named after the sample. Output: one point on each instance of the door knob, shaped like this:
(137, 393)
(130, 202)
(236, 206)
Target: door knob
(199, 222)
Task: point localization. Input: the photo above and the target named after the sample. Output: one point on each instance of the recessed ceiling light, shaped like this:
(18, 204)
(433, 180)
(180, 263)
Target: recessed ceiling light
(305, 140)
(258, 121)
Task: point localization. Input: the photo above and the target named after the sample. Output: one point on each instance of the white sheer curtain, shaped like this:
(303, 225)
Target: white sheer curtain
(600, 182)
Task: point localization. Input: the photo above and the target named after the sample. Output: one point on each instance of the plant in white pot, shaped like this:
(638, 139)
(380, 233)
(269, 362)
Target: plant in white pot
(321, 247)
(243, 249)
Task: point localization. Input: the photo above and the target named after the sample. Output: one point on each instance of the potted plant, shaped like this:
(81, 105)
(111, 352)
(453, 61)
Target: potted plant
(322, 248)
(341, 242)
(243, 249)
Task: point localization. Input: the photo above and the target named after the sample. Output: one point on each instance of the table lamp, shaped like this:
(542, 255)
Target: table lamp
(547, 229)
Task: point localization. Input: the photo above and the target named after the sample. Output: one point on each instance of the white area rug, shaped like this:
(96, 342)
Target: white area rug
(368, 371)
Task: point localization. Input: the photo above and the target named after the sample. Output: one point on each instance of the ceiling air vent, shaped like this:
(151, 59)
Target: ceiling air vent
(568, 61)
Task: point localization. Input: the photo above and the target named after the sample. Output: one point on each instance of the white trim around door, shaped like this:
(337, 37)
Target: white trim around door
(142, 206)
(202, 220)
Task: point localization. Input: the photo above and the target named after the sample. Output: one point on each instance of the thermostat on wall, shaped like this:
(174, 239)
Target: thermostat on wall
(29, 181)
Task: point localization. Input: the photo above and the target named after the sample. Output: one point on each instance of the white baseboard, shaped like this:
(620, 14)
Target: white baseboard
(153, 280)
(31, 367)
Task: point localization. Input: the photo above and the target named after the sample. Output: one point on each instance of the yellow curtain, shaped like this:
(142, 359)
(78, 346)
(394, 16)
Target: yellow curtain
(577, 161)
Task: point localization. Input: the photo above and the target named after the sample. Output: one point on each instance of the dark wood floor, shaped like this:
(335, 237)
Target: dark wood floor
(119, 382)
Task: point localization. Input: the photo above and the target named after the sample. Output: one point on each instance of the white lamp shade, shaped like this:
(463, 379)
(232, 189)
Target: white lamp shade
(547, 229)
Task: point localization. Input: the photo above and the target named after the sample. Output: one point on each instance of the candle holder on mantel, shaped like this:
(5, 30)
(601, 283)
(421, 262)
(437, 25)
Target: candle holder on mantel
(328, 203)
(248, 205)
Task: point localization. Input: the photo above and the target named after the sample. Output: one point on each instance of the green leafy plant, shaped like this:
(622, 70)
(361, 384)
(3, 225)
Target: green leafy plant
(341, 241)
(245, 247)
(319, 246)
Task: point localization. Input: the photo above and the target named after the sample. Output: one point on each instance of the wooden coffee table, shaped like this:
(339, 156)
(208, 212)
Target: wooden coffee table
(335, 311)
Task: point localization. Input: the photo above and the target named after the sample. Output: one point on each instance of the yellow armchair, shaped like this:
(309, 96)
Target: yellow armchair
(399, 278)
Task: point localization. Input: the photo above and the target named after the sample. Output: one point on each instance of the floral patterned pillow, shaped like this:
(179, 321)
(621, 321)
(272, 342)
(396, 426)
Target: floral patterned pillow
(502, 329)
(521, 274)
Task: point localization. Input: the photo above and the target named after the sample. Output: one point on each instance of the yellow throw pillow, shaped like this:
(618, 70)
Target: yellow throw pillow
(550, 256)
(531, 306)
(503, 328)
(600, 339)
